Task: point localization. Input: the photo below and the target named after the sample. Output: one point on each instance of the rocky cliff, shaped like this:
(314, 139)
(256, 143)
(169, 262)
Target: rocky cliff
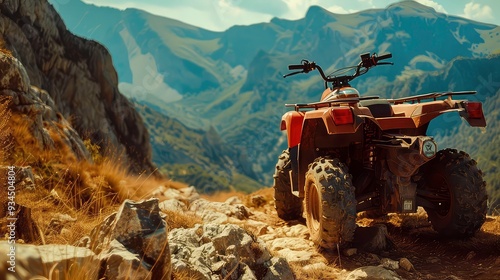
(78, 76)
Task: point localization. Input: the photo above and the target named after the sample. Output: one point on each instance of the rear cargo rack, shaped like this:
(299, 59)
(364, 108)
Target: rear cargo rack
(434, 96)
(412, 99)
(329, 103)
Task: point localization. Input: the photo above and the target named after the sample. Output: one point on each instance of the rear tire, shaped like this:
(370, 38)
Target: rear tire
(460, 194)
(330, 203)
(288, 206)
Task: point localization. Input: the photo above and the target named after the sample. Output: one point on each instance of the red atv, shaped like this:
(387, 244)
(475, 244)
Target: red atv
(348, 154)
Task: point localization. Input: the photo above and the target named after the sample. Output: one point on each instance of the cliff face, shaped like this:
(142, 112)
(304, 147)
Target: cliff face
(79, 76)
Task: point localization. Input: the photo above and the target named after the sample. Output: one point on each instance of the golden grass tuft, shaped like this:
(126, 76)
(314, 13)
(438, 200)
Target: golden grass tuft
(176, 219)
(186, 275)
(315, 273)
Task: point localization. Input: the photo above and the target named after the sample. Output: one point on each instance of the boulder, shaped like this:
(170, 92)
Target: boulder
(137, 228)
(223, 251)
(121, 264)
(48, 261)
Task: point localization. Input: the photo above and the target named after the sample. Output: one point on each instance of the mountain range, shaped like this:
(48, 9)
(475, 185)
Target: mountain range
(226, 88)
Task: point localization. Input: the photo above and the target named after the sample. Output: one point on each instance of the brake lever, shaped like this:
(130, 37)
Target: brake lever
(293, 73)
(385, 63)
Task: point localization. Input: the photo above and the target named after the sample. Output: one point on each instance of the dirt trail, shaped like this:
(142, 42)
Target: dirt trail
(432, 257)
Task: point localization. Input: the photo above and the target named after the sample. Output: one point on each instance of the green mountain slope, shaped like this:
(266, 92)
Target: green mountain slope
(196, 157)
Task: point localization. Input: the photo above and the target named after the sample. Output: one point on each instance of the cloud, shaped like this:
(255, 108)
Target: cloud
(477, 12)
(434, 5)
(274, 8)
(367, 2)
(298, 8)
(340, 10)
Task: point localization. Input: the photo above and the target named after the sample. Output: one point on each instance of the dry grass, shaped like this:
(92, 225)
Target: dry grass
(186, 275)
(86, 191)
(181, 220)
(5, 115)
(301, 273)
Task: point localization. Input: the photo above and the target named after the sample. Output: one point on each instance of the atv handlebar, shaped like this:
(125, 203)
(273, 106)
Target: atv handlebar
(296, 67)
(384, 56)
(366, 63)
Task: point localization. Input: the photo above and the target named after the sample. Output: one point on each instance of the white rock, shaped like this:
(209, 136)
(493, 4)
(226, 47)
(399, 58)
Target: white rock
(295, 256)
(190, 194)
(297, 244)
(211, 212)
(139, 227)
(389, 264)
(214, 251)
(247, 273)
(372, 272)
(173, 205)
(259, 228)
(298, 231)
(121, 264)
(31, 260)
(233, 200)
(278, 269)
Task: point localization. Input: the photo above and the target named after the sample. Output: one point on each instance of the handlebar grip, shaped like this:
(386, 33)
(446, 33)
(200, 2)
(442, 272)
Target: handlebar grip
(296, 67)
(384, 56)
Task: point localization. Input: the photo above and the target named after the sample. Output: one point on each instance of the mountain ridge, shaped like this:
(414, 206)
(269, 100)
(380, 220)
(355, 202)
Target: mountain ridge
(244, 64)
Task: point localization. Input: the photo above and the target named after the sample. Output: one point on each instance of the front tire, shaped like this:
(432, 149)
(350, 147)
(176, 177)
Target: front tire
(459, 194)
(288, 206)
(330, 203)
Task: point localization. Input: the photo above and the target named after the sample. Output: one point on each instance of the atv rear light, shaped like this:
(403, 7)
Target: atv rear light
(283, 125)
(342, 116)
(474, 109)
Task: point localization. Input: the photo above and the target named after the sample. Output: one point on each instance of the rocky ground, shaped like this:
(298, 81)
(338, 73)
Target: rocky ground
(413, 250)
(237, 236)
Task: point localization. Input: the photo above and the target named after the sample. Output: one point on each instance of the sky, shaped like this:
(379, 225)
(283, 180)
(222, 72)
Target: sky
(219, 15)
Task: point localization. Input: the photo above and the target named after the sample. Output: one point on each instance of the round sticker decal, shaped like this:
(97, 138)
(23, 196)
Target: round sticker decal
(429, 148)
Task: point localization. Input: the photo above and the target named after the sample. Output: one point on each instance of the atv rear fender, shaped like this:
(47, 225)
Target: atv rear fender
(419, 114)
(292, 123)
(322, 131)
(337, 120)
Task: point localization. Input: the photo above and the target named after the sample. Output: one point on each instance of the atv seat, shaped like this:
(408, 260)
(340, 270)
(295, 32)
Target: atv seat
(380, 108)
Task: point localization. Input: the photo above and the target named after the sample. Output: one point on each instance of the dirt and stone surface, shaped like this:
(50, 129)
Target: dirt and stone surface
(413, 250)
